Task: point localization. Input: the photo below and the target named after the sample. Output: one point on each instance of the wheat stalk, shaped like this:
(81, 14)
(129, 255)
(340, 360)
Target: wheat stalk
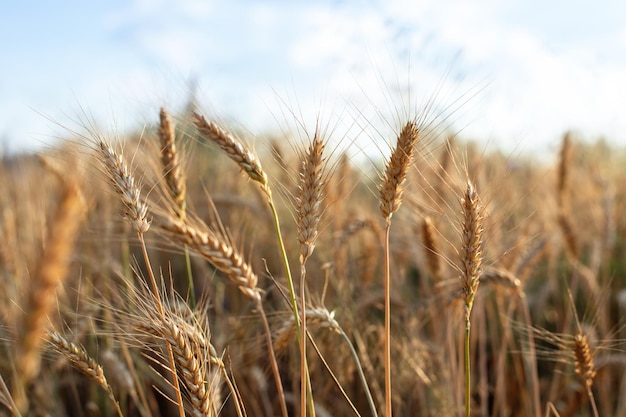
(317, 317)
(308, 202)
(192, 355)
(123, 182)
(309, 199)
(471, 264)
(250, 164)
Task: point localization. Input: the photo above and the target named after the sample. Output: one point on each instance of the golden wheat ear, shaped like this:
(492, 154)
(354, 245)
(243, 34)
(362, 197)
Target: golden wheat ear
(471, 245)
(233, 148)
(390, 190)
(170, 160)
(80, 359)
(309, 199)
(124, 184)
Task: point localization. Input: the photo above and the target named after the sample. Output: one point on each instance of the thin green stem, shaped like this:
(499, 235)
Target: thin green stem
(468, 376)
(303, 360)
(359, 369)
(170, 353)
(292, 294)
(387, 323)
(285, 260)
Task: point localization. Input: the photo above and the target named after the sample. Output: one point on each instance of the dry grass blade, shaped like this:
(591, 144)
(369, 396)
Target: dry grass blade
(232, 147)
(174, 175)
(395, 173)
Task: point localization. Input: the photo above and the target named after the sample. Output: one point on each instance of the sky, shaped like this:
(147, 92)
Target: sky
(511, 74)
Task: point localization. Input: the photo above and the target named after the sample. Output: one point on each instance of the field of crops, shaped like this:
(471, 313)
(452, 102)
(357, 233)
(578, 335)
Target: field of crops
(181, 270)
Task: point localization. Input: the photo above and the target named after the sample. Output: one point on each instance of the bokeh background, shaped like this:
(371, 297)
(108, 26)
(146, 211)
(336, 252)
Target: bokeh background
(512, 74)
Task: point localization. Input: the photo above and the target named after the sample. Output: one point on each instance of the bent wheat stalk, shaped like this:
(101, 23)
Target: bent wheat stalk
(136, 213)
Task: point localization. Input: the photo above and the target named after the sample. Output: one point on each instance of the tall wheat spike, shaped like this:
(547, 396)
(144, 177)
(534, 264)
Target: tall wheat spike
(471, 268)
(391, 193)
(308, 202)
(136, 213)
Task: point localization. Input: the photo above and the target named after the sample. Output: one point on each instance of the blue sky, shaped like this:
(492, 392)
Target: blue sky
(530, 69)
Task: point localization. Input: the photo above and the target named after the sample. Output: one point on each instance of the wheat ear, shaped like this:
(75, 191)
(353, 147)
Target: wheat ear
(471, 264)
(49, 274)
(193, 355)
(391, 189)
(81, 360)
(431, 248)
(217, 249)
(391, 193)
(123, 182)
(176, 185)
(170, 160)
(308, 204)
(232, 147)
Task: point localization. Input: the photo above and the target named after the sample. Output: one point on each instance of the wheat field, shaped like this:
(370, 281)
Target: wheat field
(194, 270)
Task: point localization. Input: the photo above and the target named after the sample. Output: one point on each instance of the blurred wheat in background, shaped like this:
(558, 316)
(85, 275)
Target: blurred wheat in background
(152, 276)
